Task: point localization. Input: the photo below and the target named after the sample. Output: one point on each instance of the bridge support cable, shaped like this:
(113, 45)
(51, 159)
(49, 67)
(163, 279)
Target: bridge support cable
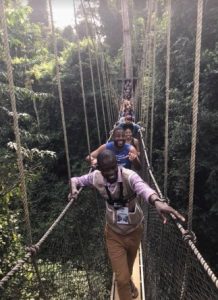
(110, 103)
(110, 122)
(23, 188)
(58, 78)
(110, 93)
(194, 136)
(108, 85)
(167, 92)
(195, 109)
(145, 71)
(15, 123)
(197, 267)
(92, 76)
(153, 82)
(97, 59)
(82, 87)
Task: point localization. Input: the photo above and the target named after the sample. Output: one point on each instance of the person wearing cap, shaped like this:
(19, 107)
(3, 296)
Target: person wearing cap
(129, 120)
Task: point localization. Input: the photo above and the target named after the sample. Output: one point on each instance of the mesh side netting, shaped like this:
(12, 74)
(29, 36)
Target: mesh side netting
(172, 270)
(72, 262)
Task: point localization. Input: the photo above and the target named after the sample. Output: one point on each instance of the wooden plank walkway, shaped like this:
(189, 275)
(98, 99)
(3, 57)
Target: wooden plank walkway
(135, 277)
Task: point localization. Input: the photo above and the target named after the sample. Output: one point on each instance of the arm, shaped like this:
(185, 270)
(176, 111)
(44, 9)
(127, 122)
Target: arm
(133, 157)
(136, 143)
(163, 208)
(142, 189)
(93, 155)
(78, 182)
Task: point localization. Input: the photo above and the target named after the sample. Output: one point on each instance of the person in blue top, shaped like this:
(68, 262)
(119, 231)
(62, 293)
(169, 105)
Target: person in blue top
(126, 154)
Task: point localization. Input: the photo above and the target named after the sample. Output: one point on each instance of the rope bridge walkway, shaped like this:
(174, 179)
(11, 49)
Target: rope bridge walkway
(172, 265)
(169, 263)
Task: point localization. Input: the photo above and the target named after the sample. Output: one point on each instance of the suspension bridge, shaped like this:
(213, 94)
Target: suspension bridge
(169, 264)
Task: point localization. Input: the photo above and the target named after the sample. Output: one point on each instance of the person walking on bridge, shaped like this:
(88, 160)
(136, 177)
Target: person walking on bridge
(126, 154)
(120, 188)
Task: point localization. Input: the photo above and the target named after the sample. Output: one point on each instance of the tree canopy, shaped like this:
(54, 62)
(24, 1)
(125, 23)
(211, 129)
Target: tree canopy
(41, 132)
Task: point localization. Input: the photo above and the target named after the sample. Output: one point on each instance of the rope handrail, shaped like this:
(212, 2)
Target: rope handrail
(190, 243)
(36, 247)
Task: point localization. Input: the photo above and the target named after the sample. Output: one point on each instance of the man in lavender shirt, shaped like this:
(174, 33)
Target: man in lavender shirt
(120, 188)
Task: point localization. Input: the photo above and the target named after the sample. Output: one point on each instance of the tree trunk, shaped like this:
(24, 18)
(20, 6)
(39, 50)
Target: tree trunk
(40, 11)
(127, 46)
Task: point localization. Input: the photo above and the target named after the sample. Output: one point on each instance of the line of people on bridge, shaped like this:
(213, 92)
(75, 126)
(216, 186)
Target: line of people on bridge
(124, 141)
(121, 188)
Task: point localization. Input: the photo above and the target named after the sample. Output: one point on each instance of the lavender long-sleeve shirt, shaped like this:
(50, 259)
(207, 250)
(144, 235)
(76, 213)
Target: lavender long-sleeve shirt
(136, 183)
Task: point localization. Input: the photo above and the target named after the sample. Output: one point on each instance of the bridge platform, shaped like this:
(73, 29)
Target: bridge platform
(136, 277)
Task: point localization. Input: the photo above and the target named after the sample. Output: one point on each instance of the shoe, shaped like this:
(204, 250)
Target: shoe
(134, 290)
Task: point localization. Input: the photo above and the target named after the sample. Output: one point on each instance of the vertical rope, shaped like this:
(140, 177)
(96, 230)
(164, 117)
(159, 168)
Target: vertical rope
(109, 87)
(141, 84)
(148, 70)
(60, 89)
(167, 86)
(18, 142)
(28, 85)
(122, 74)
(195, 110)
(15, 121)
(153, 84)
(106, 91)
(88, 144)
(82, 87)
(101, 95)
(148, 89)
(96, 45)
(145, 63)
(92, 76)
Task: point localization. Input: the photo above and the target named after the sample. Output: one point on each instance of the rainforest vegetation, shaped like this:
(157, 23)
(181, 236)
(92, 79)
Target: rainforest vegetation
(41, 133)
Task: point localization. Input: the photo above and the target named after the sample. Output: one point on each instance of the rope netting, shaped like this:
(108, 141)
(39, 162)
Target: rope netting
(72, 263)
(173, 266)
(165, 256)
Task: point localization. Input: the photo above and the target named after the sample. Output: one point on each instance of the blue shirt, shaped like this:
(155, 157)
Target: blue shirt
(121, 154)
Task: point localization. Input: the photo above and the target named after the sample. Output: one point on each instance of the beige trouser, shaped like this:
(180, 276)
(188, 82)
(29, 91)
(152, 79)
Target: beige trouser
(122, 250)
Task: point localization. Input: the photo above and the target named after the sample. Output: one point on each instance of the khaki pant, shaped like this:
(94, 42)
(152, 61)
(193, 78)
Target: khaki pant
(122, 250)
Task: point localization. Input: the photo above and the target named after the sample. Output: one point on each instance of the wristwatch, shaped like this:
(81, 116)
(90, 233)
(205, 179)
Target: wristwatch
(157, 199)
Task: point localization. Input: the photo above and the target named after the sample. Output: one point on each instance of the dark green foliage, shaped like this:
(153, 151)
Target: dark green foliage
(43, 146)
(180, 119)
(112, 24)
(39, 11)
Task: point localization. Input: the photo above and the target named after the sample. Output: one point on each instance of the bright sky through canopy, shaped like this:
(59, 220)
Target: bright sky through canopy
(63, 12)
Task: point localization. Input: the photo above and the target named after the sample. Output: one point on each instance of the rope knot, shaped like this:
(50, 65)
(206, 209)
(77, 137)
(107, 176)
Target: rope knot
(189, 235)
(33, 249)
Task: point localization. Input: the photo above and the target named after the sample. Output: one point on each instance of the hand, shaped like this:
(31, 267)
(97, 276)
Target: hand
(73, 195)
(73, 191)
(132, 156)
(93, 162)
(163, 208)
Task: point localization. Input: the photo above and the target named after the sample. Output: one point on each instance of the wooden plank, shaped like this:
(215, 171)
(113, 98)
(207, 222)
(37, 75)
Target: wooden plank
(135, 278)
(136, 275)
